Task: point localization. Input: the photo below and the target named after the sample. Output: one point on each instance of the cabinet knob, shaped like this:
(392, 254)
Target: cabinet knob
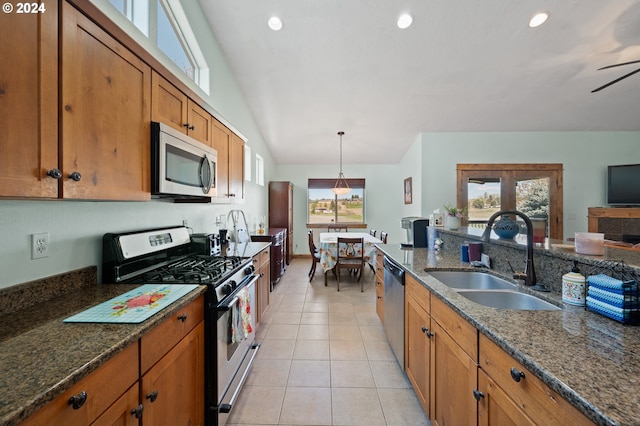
(152, 396)
(477, 394)
(54, 173)
(75, 176)
(189, 126)
(137, 411)
(78, 400)
(516, 375)
(182, 317)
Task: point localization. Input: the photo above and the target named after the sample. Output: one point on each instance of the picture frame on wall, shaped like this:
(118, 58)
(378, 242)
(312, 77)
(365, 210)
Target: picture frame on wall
(408, 191)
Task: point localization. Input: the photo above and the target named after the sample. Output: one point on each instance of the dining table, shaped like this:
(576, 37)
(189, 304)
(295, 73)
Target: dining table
(328, 247)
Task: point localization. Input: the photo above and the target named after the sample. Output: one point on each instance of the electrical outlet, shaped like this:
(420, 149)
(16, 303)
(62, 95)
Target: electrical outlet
(40, 245)
(185, 223)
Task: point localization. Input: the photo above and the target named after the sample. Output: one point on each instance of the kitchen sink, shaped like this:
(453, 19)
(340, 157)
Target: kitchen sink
(502, 299)
(472, 280)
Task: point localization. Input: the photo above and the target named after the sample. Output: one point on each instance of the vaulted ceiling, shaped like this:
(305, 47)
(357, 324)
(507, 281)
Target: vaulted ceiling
(463, 66)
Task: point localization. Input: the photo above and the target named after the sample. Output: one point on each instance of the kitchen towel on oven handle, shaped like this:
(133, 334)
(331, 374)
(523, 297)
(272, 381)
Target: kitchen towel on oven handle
(240, 317)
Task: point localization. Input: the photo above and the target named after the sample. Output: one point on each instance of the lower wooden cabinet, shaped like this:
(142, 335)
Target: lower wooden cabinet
(380, 285)
(156, 380)
(495, 407)
(262, 265)
(418, 336)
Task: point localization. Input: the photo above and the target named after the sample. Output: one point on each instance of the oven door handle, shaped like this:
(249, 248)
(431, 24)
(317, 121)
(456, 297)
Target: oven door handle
(226, 408)
(251, 280)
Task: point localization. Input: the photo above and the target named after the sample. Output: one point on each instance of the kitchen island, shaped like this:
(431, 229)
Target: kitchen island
(588, 359)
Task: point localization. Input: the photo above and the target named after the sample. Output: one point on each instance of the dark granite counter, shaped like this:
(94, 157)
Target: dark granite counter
(592, 361)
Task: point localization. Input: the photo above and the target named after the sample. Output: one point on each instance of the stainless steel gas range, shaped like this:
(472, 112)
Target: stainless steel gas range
(170, 255)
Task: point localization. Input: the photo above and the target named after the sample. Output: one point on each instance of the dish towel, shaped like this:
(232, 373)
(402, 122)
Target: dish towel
(240, 317)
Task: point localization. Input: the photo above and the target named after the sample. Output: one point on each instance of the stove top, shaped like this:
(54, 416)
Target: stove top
(195, 269)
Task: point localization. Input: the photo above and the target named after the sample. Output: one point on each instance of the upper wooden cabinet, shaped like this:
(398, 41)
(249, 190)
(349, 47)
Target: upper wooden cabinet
(172, 107)
(230, 162)
(105, 117)
(29, 104)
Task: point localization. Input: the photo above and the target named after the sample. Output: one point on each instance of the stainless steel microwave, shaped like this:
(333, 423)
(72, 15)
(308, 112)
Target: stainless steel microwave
(180, 165)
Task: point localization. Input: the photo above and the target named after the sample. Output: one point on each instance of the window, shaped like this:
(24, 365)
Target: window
(165, 22)
(324, 207)
(259, 170)
(247, 163)
(534, 189)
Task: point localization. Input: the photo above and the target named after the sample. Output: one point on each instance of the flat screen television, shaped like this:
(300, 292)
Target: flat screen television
(623, 185)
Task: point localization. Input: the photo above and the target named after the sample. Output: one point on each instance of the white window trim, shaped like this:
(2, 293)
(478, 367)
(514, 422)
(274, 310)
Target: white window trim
(259, 170)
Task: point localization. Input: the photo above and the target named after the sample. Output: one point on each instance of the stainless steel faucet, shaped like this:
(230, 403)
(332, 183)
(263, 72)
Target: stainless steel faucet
(529, 274)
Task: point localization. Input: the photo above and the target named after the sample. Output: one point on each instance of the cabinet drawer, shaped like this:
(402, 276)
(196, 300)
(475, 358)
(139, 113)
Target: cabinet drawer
(530, 394)
(161, 339)
(102, 387)
(261, 258)
(465, 335)
(416, 290)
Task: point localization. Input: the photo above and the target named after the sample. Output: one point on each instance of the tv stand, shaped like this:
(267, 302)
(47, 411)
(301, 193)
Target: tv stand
(614, 222)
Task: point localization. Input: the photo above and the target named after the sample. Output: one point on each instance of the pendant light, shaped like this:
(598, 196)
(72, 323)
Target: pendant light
(341, 187)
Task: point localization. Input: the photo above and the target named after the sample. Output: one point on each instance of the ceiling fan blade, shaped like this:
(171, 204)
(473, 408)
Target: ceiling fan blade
(616, 80)
(619, 65)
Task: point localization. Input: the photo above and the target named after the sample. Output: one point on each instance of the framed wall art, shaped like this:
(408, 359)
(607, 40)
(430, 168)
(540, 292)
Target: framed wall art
(408, 191)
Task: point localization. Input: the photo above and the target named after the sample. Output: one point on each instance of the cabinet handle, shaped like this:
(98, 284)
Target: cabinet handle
(426, 331)
(189, 126)
(54, 173)
(516, 375)
(477, 394)
(152, 396)
(75, 176)
(182, 317)
(137, 412)
(78, 400)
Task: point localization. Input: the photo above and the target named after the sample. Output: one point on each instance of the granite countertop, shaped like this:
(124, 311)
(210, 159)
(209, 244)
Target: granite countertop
(591, 360)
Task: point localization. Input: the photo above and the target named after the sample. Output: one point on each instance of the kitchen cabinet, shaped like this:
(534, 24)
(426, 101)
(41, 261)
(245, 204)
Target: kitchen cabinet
(94, 394)
(105, 94)
(230, 162)
(262, 265)
(172, 107)
(29, 104)
(453, 370)
(281, 213)
(161, 374)
(512, 394)
(418, 336)
(379, 285)
(277, 237)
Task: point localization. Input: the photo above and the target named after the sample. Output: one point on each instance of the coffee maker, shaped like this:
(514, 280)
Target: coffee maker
(416, 229)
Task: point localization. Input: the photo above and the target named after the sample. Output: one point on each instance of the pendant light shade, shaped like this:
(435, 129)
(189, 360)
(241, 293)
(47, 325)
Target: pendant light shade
(341, 187)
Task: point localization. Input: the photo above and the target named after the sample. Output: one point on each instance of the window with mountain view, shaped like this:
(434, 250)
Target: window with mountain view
(325, 207)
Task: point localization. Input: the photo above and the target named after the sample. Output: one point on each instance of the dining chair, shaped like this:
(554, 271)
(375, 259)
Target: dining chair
(315, 255)
(350, 255)
(383, 237)
(332, 227)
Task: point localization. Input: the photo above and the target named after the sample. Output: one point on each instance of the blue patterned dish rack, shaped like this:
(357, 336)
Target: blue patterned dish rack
(612, 290)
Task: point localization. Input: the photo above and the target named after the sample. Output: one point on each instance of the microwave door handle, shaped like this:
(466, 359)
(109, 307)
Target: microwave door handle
(205, 169)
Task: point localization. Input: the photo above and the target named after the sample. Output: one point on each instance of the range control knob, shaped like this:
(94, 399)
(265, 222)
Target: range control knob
(227, 288)
(249, 270)
(232, 284)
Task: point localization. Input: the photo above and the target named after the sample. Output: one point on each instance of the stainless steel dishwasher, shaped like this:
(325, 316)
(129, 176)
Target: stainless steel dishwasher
(394, 308)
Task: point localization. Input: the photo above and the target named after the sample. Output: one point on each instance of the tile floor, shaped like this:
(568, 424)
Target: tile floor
(324, 359)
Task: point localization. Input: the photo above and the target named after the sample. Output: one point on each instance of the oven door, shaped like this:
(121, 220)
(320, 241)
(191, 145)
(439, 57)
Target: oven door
(181, 165)
(235, 356)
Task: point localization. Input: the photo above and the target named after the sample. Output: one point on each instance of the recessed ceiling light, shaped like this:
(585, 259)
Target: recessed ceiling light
(404, 21)
(538, 19)
(275, 23)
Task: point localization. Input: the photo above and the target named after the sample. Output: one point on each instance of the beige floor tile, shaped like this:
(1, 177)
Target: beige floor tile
(309, 373)
(282, 331)
(288, 299)
(379, 351)
(258, 405)
(347, 350)
(372, 333)
(311, 349)
(276, 349)
(286, 318)
(342, 318)
(306, 406)
(356, 406)
(269, 372)
(341, 307)
(367, 318)
(315, 307)
(314, 318)
(402, 408)
(344, 332)
(351, 374)
(313, 332)
(388, 374)
(289, 307)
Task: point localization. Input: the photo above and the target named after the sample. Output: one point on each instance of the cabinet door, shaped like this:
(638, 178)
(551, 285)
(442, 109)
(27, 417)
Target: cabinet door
(220, 137)
(262, 265)
(29, 103)
(105, 116)
(169, 105)
(199, 121)
(454, 375)
(121, 412)
(496, 408)
(418, 324)
(172, 391)
(236, 167)
(380, 285)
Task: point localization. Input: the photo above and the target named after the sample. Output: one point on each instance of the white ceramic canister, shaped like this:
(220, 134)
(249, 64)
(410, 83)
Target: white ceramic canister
(573, 287)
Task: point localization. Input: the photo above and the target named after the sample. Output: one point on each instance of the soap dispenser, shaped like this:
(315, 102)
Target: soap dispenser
(573, 287)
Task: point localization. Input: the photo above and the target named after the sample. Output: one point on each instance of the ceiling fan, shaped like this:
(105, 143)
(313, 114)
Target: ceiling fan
(619, 78)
